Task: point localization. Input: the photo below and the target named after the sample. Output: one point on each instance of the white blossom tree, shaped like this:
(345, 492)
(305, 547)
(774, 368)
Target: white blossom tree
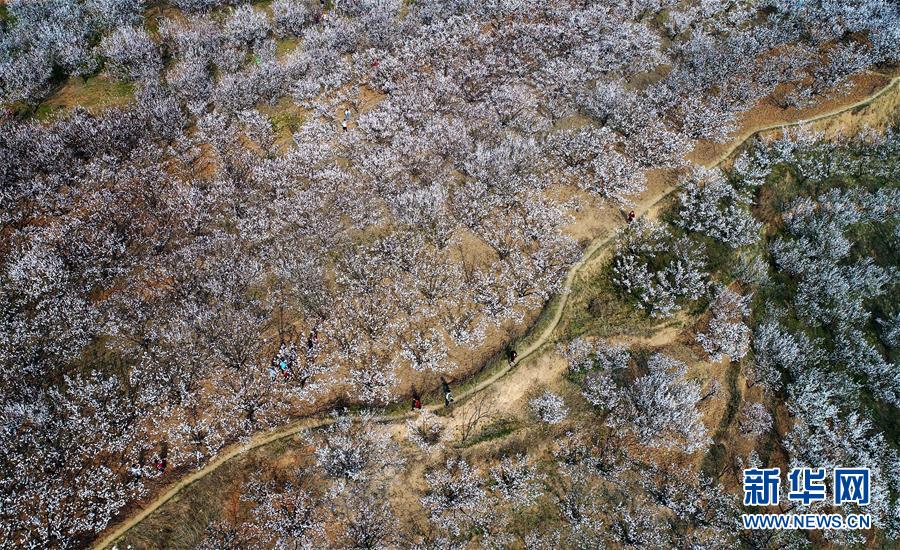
(755, 419)
(657, 268)
(130, 53)
(714, 206)
(355, 450)
(427, 431)
(456, 498)
(549, 408)
(727, 332)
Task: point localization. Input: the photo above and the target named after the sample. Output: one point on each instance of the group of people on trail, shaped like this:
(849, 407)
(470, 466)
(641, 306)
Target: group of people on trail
(157, 468)
(511, 356)
(282, 365)
(283, 361)
(445, 389)
(286, 357)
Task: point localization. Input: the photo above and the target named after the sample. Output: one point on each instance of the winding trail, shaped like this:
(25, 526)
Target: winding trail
(647, 207)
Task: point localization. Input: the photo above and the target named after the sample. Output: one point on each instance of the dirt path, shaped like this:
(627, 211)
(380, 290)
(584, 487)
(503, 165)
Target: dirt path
(646, 206)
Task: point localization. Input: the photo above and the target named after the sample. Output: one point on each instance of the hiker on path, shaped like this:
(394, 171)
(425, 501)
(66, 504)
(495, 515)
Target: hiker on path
(448, 395)
(511, 356)
(417, 401)
(312, 342)
(631, 216)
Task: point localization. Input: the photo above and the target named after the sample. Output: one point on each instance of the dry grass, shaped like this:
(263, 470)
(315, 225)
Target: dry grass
(181, 522)
(878, 115)
(287, 117)
(284, 46)
(94, 94)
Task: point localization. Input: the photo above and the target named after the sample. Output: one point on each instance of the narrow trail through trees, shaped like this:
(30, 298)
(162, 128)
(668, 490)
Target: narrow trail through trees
(649, 207)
